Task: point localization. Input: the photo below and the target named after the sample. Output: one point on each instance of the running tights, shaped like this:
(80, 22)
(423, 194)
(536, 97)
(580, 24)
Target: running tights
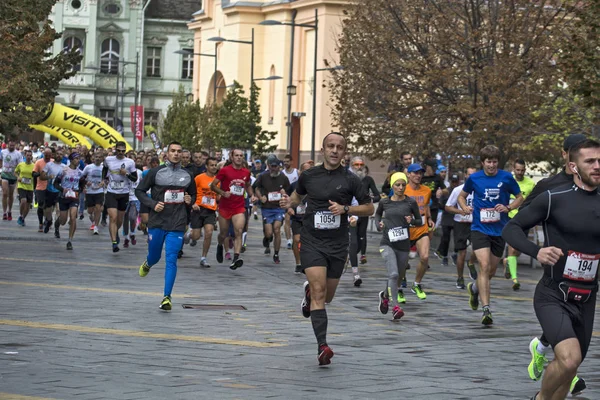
(172, 240)
(358, 240)
(395, 262)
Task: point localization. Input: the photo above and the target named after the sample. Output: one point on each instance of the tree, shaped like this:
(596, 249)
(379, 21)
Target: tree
(30, 75)
(181, 122)
(434, 76)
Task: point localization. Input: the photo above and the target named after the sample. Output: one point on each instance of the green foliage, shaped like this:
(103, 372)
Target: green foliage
(30, 75)
(181, 122)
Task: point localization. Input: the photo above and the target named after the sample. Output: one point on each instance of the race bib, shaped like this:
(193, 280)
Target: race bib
(174, 196)
(236, 190)
(326, 220)
(209, 201)
(274, 196)
(25, 181)
(117, 185)
(301, 209)
(466, 218)
(71, 194)
(581, 267)
(422, 220)
(489, 215)
(397, 234)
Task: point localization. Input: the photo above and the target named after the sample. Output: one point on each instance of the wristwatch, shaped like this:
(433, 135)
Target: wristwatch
(346, 209)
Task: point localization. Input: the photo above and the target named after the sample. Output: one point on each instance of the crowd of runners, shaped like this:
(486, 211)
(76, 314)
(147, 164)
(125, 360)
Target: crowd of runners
(322, 213)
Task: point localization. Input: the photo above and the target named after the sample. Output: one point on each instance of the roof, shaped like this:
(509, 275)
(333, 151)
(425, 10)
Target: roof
(173, 9)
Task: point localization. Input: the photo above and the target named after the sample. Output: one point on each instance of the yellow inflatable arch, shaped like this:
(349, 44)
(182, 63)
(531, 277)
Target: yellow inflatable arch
(69, 138)
(83, 124)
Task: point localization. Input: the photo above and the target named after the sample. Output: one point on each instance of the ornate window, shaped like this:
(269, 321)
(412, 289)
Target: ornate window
(73, 42)
(108, 115)
(153, 61)
(109, 57)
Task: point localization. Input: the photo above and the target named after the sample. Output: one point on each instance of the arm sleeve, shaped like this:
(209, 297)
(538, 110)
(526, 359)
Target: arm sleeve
(514, 231)
(418, 220)
(538, 189)
(143, 187)
(373, 188)
(378, 214)
(133, 176)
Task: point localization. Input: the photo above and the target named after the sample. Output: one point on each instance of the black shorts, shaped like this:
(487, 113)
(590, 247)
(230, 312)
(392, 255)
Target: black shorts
(144, 209)
(296, 226)
(562, 320)
(483, 241)
(94, 199)
(25, 194)
(414, 242)
(40, 198)
(11, 182)
(203, 217)
(118, 201)
(51, 199)
(65, 204)
(330, 253)
(462, 235)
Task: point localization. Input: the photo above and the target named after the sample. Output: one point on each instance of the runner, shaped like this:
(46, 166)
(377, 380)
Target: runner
(204, 209)
(329, 189)
(172, 191)
(94, 195)
(292, 175)
(120, 172)
(526, 184)
(270, 186)
(394, 215)
(231, 183)
(24, 173)
(69, 185)
(296, 217)
(9, 159)
(40, 186)
(51, 170)
(438, 188)
(145, 210)
(491, 190)
(565, 297)
(462, 232)
(131, 214)
(447, 224)
(419, 235)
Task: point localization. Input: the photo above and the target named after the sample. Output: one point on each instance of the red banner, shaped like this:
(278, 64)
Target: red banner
(138, 127)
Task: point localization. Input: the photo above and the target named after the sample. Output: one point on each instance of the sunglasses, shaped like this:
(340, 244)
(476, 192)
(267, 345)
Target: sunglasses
(358, 164)
(120, 151)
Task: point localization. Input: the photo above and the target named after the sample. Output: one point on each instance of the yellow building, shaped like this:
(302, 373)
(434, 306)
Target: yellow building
(235, 21)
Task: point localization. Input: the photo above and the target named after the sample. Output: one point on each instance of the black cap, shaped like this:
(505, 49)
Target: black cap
(273, 160)
(430, 162)
(572, 140)
(454, 178)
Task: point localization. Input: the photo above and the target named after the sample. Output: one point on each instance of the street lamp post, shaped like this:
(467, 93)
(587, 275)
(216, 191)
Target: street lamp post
(186, 52)
(250, 42)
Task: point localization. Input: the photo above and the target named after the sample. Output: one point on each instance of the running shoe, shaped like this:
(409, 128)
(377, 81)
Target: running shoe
(357, 280)
(412, 254)
(20, 221)
(538, 361)
(115, 248)
(516, 285)
(400, 297)
(228, 256)
(255, 216)
(472, 271)
(5, 217)
(41, 228)
(289, 244)
(186, 238)
(80, 217)
(267, 251)
(403, 283)
(237, 263)
(384, 302)
(180, 254)
(47, 226)
(437, 254)
(460, 283)
(144, 269)
(454, 257)
(444, 261)
(69, 245)
(397, 312)
(486, 319)
(506, 269)
(276, 258)
(305, 306)
(325, 355)
(56, 234)
(103, 223)
(92, 227)
(133, 241)
(126, 243)
(23, 222)
(535, 396)
(96, 230)
(244, 248)
(418, 290)
(10, 216)
(473, 297)
(166, 305)
(577, 386)
(220, 253)
(363, 259)
(204, 263)
(193, 242)
(266, 241)
(298, 269)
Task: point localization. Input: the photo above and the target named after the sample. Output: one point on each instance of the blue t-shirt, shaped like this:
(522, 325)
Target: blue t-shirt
(489, 191)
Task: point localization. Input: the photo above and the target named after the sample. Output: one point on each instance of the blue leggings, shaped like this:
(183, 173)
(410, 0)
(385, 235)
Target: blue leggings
(173, 241)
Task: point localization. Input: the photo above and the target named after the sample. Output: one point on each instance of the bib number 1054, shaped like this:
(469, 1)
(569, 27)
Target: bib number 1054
(326, 220)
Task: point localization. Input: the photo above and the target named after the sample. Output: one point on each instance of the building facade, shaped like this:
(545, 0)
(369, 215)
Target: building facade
(272, 48)
(119, 40)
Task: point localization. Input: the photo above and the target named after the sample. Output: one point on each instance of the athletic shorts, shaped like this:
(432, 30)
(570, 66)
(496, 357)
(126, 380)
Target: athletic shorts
(40, 198)
(25, 194)
(330, 253)
(92, 200)
(462, 235)
(51, 199)
(227, 214)
(11, 182)
(562, 320)
(203, 217)
(65, 204)
(118, 201)
(414, 242)
(270, 215)
(296, 226)
(483, 241)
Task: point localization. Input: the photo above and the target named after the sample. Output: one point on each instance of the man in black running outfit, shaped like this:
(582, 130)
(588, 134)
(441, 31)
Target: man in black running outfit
(565, 297)
(329, 189)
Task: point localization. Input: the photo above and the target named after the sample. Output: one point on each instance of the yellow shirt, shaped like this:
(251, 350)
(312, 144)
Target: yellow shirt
(25, 172)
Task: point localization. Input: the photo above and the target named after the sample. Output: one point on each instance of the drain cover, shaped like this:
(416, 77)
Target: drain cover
(214, 306)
